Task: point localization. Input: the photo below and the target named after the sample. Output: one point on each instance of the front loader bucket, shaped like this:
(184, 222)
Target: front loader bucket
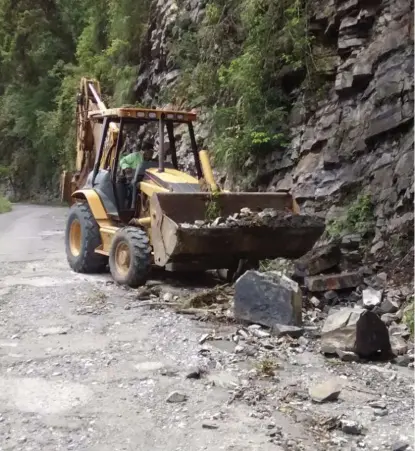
(175, 240)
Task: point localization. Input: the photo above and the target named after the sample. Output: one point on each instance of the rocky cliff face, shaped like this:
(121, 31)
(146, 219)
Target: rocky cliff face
(359, 137)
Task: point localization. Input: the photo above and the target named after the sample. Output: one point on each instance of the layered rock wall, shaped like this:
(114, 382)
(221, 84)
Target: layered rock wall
(358, 137)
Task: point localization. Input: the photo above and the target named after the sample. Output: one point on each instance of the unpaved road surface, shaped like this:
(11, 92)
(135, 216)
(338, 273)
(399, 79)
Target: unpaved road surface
(84, 367)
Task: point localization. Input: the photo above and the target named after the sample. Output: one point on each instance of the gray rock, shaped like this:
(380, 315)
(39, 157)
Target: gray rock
(325, 392)
(45, 331)
(400, 446)
(351, 427)
(371, 297)
(268, 299)
(389, 318)
(333, 281)
(347, 356)
(389, 305)
(319, 260)
(377, 404)
(281, 330)
(400, 330)
(176, 397)
(356, 330)
(315, 301)
(344, 82)
(403, 360)
(209, 426)
(398, 345)
(351, 241)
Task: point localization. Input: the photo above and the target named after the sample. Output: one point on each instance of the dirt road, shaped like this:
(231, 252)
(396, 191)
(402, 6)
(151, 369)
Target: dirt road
(80, 372)
(84, 367)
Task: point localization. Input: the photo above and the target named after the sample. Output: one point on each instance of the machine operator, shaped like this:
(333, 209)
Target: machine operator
(130, 162)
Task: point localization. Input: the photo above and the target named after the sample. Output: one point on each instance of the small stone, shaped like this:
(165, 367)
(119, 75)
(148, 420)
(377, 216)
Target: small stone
(330, 295)
(238, 349)
(403, 360)
(204, 337)
(377, 404)
(389, 318)
(210, 426)
(167, 297)
(400, 446)
(398, 345)
(371, 297)
(351, 427)
(176, 397)
(260, 333)
(325, 392)
(389, 306)
(316, 302)
(45, 331)
(347, 356)
(400, 330)
(281, 330)
(380, 412)
(194, 373)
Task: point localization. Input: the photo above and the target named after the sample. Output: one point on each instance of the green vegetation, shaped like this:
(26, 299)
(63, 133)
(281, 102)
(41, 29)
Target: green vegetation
(45, 47)
(243, 63)
(213, 210)
(5, 205)
(359, 218)
(409, 314)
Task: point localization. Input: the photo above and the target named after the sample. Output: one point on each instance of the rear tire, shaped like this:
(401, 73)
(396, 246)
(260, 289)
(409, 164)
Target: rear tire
(130, 257)
(82, 237)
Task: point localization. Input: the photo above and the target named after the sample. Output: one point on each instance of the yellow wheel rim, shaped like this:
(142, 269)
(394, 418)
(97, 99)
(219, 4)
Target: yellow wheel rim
(75, 238)
(122, 258)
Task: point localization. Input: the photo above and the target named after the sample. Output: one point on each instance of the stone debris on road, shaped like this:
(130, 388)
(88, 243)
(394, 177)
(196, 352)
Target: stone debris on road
(223, 376)
(176, 397)
(325, 391)
(267, 217)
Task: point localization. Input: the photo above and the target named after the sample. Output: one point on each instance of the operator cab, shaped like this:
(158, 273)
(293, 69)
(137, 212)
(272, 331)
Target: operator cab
(120, 194)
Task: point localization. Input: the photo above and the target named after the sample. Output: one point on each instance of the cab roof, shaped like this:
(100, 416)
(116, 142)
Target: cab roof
(143, 114)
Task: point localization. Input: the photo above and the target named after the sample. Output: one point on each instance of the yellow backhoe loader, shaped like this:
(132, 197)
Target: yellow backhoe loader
(133, 224)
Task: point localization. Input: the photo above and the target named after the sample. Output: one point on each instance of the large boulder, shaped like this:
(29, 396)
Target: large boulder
(357, 330)
(268, 298)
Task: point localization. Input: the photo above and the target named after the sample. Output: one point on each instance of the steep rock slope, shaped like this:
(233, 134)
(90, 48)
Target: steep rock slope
(358, 138)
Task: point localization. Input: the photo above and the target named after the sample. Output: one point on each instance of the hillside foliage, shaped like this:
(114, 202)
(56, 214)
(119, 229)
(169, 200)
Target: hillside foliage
(236, 64)
(45, 47)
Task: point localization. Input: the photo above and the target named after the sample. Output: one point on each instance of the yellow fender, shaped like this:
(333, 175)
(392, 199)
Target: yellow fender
(94, 202)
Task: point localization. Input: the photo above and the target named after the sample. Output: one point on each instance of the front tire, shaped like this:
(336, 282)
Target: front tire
(82, 237)
(130, 257)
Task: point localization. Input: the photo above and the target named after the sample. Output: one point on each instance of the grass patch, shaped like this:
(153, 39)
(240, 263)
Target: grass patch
(267, 367)
(213, 209)
(408, 317)
(358, 219)
(5, 205)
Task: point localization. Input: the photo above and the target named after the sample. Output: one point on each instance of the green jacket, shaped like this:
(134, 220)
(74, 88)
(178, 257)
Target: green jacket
(131, 161)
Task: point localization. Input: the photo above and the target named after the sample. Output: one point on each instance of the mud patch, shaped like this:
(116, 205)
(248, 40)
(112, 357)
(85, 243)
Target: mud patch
(41, 396)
